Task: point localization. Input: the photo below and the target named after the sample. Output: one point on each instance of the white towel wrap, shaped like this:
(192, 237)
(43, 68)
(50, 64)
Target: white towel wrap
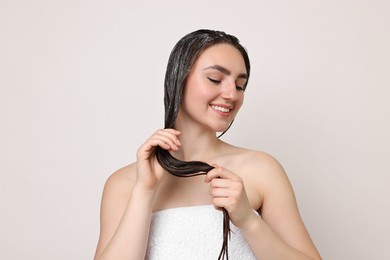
(193, 233)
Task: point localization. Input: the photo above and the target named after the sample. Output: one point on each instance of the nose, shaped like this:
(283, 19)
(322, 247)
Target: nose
(230, 92)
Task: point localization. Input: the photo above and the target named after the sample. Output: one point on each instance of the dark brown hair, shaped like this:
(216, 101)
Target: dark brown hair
(181, 60)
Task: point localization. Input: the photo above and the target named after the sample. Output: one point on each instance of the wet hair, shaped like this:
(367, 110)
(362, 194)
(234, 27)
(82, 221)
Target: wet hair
(181, 60)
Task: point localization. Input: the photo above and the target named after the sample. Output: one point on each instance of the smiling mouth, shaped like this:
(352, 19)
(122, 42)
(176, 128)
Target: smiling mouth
(221, 109)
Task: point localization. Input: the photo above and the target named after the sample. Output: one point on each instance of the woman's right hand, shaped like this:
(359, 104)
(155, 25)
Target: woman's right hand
(149, 171)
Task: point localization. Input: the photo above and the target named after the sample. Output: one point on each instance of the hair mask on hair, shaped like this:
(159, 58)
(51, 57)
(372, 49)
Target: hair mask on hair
(180, 62)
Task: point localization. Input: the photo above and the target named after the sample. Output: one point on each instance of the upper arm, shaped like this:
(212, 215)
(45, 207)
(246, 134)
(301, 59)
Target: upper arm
(279, 208)
(116, 194)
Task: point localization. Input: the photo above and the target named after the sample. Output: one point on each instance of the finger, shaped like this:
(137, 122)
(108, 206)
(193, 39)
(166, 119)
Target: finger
(228, 189)
(219, 183)
(170, 134)
(176, 132)
(223, 202)
(221, 192)
(168, 131)
(225, 188)
(164, 142)
(165, 138)
(220, 172)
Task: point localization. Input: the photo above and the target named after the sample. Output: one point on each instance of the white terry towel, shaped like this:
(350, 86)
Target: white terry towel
(193, 233)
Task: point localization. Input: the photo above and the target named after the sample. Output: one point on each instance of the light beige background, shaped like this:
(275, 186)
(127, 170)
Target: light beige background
(81, 85)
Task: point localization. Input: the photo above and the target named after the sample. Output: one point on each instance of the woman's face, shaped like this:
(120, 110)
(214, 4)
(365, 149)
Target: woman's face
(214, 90)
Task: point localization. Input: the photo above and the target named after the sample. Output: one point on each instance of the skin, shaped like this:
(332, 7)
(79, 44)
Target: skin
(242, 180)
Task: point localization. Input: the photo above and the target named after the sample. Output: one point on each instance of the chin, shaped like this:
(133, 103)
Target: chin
(221, 128)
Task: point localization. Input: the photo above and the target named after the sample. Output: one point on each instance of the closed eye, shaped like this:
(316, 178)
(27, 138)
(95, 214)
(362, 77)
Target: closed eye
(214, 80)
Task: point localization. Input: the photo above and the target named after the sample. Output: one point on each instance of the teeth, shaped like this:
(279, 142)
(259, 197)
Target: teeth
(222, 109)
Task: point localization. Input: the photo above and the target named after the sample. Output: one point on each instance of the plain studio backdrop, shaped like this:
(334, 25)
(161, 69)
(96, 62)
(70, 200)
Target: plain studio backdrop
(82, 87)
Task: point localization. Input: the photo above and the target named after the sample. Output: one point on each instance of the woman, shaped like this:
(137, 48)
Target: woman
(149, 211)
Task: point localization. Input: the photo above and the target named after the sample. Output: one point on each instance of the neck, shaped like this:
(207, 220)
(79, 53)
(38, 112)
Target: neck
(197, 145)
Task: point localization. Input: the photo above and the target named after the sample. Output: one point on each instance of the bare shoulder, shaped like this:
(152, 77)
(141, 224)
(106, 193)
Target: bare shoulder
(258, 164)
(264, 165)
(121, 181)
(260, 160)
(265, 170)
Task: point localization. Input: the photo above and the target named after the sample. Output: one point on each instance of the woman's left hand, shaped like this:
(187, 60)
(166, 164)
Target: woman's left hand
(228, 191)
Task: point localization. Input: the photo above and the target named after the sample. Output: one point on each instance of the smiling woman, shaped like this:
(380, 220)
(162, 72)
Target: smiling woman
(149, 211)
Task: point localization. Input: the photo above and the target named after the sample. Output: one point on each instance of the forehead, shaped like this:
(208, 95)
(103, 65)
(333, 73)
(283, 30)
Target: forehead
(224, 55)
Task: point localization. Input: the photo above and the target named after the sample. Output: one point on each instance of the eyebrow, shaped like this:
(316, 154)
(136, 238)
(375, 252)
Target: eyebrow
(226, 71)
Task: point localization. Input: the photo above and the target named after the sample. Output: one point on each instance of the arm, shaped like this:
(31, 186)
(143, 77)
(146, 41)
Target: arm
(125, 220)
(279, 232)
(127, 202)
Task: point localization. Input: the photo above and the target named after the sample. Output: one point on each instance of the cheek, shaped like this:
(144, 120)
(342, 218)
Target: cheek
(193, 99)
(199, 94)
(240, 102)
